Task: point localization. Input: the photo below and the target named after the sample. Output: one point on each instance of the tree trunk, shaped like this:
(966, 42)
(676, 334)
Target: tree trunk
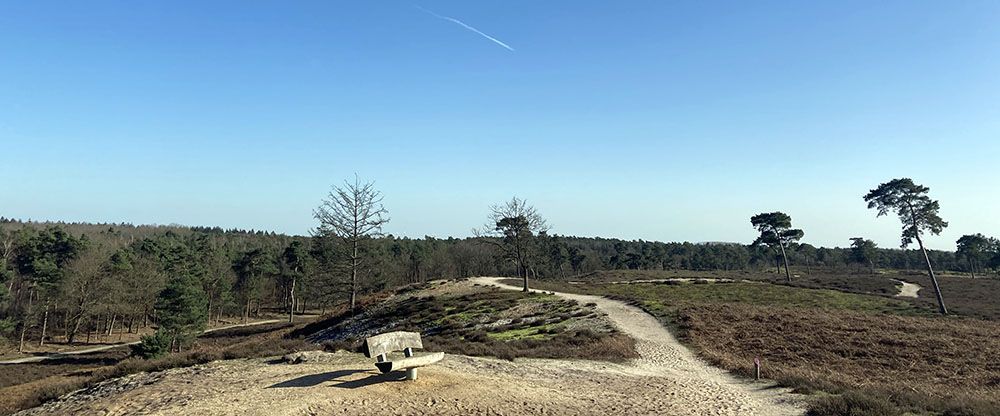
(521, 269)
(71, 334)
(354, 275)
(937, 288)
(784, 257)
(45, 323)
(291, 301)
(246, 312)
(520, 264)
(24, 330)
(111, 327)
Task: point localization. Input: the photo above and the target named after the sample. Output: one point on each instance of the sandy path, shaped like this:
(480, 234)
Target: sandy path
(56, 355)
(708, 390)
(907, 289)
(667, 380)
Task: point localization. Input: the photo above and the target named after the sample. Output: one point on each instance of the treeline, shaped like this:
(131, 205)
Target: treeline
(96, 281)
(605, 254)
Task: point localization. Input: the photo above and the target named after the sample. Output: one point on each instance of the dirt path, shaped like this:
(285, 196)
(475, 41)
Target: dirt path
(63, 354)
(703, 387)
(907, 289)
(667, 380)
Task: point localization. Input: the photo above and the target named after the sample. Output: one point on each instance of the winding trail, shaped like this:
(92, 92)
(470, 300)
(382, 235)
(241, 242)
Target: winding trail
(667, 380)
(57, 355)
(907, 289)
(709, 390)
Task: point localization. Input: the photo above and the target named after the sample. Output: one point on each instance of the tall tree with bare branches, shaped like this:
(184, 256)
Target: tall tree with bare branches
(354, 214)
(511, 227)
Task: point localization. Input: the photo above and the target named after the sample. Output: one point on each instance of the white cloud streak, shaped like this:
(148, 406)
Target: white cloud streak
(460, 23)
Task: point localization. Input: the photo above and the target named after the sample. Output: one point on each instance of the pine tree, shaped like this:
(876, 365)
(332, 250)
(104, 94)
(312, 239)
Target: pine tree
(181, 309)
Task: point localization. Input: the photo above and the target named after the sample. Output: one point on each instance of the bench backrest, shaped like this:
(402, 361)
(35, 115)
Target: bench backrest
(391, 341)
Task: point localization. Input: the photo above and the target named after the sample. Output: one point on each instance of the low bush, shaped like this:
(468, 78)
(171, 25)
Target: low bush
(152, 346)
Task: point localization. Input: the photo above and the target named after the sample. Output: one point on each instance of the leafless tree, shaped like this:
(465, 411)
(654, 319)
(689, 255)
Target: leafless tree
(87, 288)
(511, 227)
(354, 214)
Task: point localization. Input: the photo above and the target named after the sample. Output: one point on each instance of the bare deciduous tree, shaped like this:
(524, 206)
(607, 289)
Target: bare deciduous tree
(511, 227)
(86, 289)
(354, 214)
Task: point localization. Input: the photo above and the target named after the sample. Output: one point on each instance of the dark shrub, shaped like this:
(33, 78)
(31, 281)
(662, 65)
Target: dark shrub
(152, 346)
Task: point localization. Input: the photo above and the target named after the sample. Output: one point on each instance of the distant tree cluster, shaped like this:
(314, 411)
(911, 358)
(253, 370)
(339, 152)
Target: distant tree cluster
(978, 253)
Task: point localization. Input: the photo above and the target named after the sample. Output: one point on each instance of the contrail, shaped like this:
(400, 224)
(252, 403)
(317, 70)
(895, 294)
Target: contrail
(460, 23)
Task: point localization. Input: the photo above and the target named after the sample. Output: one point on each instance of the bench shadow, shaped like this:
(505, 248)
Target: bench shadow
(372, 379)
(315, 379)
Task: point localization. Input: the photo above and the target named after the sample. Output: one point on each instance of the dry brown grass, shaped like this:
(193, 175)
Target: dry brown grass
(875, 354)
(966, 296)
(13, 374)
(919, 364)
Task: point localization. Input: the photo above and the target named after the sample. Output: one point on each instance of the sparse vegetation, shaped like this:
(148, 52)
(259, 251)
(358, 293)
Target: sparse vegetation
(493, 323)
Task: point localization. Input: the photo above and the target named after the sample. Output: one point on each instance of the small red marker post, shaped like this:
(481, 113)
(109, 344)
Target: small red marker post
(756, 368)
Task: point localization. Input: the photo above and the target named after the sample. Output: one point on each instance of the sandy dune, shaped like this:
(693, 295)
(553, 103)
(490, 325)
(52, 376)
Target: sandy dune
(668, 379)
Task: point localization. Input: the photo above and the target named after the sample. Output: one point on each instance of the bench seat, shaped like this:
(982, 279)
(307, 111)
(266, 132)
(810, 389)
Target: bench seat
(380, 346)
(404, 363)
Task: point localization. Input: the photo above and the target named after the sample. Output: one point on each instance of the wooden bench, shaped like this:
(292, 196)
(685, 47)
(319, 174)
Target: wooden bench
(380, 346)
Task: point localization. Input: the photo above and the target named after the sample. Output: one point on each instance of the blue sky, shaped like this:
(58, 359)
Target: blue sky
(659, 120)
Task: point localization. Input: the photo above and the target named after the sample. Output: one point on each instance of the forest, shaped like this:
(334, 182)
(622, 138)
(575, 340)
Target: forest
(80, 280)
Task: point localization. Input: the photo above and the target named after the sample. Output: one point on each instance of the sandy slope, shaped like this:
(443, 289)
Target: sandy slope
(907, 289)
(666, 380)
(706, 389)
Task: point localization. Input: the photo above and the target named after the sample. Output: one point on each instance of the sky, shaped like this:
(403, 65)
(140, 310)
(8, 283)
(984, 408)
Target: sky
(655, 120)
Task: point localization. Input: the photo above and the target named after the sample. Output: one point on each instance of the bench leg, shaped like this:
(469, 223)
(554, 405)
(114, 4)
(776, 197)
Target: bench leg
(411, 373)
